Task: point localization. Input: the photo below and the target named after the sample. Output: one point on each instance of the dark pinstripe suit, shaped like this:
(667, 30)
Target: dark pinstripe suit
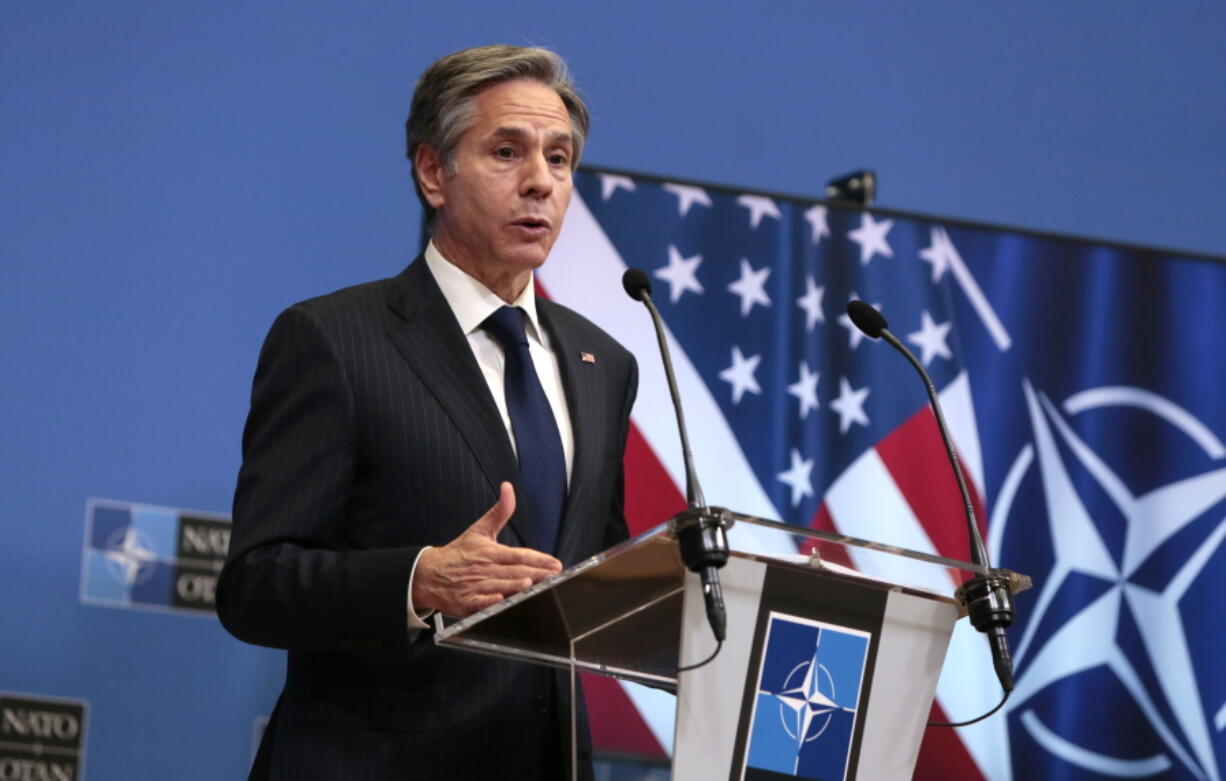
(372, 433)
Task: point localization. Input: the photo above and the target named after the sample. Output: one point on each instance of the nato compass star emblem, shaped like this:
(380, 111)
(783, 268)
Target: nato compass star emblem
(1110, 616)
(807, 701)
(130, 556)
(807, 693)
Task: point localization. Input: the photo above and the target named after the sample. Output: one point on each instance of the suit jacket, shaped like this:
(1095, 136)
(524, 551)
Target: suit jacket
(372, 433)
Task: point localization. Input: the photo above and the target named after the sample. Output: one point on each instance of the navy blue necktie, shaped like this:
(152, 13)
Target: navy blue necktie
(542, 464)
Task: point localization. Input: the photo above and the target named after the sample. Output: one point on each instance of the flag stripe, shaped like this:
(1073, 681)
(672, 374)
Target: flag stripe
(616, 723)
(915, 457)
(942, 755)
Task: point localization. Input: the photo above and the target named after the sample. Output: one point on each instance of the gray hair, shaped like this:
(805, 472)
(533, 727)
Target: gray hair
(444, 100)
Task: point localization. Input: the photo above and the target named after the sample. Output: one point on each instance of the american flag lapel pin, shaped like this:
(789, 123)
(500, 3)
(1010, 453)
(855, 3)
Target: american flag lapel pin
(587, 357)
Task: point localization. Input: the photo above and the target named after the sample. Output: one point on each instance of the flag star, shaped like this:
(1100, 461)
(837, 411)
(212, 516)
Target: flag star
(611, 183)
(850, 405)
(687, 196)
(759, 206)
(681, 274)
(930, 338)
(871, 238)
(937, 253)
(805, 389)
(798, 477)
(740, 374)
(854, 333)
(816, 217)
(811, 302)
(751, 287)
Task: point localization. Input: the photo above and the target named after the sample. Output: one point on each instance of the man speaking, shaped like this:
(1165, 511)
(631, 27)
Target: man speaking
(435, 441)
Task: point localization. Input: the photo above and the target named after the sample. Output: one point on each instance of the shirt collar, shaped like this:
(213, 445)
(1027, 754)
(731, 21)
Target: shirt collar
(471, 301)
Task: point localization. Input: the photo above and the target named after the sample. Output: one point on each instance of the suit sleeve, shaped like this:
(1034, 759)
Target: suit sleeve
(289, 580)
(617, 530)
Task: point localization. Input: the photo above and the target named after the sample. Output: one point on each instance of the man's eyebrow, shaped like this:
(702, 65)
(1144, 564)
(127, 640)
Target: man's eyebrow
(518, 133)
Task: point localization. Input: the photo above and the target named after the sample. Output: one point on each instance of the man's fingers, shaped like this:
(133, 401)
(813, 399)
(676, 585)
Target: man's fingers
(524, 557)
(505, 587)
(521, 572)
(476, 604)
(497, 516)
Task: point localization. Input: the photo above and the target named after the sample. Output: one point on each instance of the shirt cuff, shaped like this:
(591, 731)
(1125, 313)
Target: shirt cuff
(416, 621)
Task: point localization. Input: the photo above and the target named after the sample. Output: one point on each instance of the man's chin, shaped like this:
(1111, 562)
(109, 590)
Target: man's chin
(528, 257)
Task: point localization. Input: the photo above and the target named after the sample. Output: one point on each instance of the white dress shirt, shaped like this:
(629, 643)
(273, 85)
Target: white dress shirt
(472, 302)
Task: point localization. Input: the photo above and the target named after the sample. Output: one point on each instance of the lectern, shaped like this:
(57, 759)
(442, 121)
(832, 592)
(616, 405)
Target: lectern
(831, 663)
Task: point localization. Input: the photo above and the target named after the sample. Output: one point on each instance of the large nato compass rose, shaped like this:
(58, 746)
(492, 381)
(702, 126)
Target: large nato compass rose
(806, 701)
(1168, 694)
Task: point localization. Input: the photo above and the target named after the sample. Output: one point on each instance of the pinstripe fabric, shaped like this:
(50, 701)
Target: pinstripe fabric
(371, 434)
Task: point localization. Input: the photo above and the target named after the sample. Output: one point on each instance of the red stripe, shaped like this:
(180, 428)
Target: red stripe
(651, 496)
(616, 723)
(942, 754)
(916, 460)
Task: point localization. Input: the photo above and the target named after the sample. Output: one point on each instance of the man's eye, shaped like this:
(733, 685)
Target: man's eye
(559, 159)
(504, 152)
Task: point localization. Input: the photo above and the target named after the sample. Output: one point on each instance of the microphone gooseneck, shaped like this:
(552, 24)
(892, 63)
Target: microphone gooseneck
(700, 530)
(987, 598)
(638, 287)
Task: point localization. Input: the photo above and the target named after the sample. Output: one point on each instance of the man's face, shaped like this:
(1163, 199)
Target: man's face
(500, 212)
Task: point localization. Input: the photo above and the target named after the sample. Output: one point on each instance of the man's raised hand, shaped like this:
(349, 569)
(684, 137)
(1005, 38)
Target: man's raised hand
(474, 570)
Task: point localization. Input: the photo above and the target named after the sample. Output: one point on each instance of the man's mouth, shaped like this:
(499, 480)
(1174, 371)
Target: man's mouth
(532, 224)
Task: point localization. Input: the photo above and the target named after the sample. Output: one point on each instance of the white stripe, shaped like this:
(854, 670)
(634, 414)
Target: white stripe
(865, 502)
(657, 708)
(959, 408)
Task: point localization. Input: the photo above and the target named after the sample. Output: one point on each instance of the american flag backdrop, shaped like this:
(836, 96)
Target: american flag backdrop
(1084, 385)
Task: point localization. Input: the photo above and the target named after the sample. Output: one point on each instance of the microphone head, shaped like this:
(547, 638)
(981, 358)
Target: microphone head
(636, 283)
(867, 319)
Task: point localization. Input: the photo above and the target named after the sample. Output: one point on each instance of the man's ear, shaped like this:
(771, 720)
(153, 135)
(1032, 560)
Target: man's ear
(428, 164)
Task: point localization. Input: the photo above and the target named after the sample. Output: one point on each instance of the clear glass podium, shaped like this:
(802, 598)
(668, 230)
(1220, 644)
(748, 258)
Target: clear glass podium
(861, 627)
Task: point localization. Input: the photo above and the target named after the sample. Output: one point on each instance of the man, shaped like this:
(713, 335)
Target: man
(432, 442)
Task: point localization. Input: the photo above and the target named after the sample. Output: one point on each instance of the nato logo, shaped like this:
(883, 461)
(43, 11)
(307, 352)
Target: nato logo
(808, 690)
(41, 737)
(142, 556)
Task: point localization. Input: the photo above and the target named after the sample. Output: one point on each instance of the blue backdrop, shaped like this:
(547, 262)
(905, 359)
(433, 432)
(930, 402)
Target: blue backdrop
(172, 175)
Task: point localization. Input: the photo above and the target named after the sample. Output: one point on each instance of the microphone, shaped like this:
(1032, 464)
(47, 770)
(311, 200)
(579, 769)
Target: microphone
(987, 598)
(700, 529)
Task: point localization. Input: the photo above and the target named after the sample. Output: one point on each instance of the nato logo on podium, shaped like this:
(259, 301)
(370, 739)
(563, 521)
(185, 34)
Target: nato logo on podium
(808, 689)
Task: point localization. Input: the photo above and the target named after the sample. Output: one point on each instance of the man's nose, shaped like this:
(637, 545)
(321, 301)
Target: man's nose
(538, 179)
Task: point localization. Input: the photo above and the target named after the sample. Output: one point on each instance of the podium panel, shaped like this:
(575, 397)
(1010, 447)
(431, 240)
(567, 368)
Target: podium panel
(833, 688)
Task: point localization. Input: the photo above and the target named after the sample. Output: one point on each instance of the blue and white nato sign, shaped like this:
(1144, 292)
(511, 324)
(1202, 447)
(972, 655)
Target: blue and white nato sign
(808, 691)
(144, 556)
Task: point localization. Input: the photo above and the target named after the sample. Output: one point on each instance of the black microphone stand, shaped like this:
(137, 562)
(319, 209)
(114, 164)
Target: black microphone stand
(988, 599)
(701, 530)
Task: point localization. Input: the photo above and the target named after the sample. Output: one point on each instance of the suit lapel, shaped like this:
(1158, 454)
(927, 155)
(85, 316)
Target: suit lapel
(428, 337)
(585, 400)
